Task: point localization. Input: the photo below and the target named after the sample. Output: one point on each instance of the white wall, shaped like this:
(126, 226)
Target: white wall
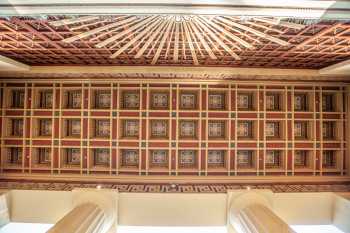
(147, 209)
(39, 206)
(182, 209)
(304, 208)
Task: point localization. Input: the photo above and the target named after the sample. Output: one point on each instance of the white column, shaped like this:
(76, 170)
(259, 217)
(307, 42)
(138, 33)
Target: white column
(85, 218)
(257, 218)
(250, 212)
(4, 211)
(94, 211)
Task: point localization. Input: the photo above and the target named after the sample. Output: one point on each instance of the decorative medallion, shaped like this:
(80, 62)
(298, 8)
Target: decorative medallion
(272, 129)
(300, 102)
(244, 129)
(101, 156)
(188, 129)
(76, 126)
(159, 158)
(159, 100)
(130, 99)
(159, 128)
(102, 128)
(216, 158)
(102, 99)
(272, 101)
(217, 101)
(328, 159)
(245, 158)
(244, 101)
(45, 127)
(17, 100)
(45, 99)
(44, 155)
(300, 129)
(16, 128)
(273, 158)
(187, 159)
(216, 129)
(188, 100)
(129, 158)
(14, 155)
(300, 158)
(73, 99)
(72, 156)
(131, 128)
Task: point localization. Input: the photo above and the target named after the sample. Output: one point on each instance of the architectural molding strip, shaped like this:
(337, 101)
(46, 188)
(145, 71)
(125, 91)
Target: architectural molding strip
(171, 188)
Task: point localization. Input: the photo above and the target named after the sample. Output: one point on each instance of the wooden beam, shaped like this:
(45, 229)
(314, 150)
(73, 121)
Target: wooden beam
(73, 20)
(137, 37)
(97, 30)
(132, 28)
(159, 49)
(202, 40)
(190, 44)
(222, 36)
(253, 31)
(227, 33)
(176, 45)
(150, 39)
(217, 39)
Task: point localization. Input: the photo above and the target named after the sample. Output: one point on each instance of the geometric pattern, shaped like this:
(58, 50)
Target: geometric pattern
(179, 41)
(101, 156)
(209, 132)
(159, 128)
(216, 129)
(180, 188)
(188, 129)
(159, 100)
(216, 158)
(159, 158)
(244, 101)
(130, 99)
(129, 158)
(73, 99)
(188, 100)
(131, 128)
(244, 129)
(300, 102)
(187, 159)
(217, 101)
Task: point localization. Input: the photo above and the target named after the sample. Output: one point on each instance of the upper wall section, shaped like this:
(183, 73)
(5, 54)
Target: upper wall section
(306, 8)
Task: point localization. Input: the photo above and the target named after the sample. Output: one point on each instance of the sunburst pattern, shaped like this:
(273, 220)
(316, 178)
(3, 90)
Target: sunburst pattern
(171, 37)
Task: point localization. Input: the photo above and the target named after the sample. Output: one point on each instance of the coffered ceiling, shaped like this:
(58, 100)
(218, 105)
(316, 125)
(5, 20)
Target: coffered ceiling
(175, 40)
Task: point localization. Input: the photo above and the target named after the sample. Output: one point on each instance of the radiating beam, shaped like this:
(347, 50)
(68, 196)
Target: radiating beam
(176, 43)
(161, 44)
(97, 30)
(73, 20)
(192, 50)
(227, 33)
(137, 37)
(132, 28)
(217, 39)
(150, 39)
(251, 30)
(202, 40)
